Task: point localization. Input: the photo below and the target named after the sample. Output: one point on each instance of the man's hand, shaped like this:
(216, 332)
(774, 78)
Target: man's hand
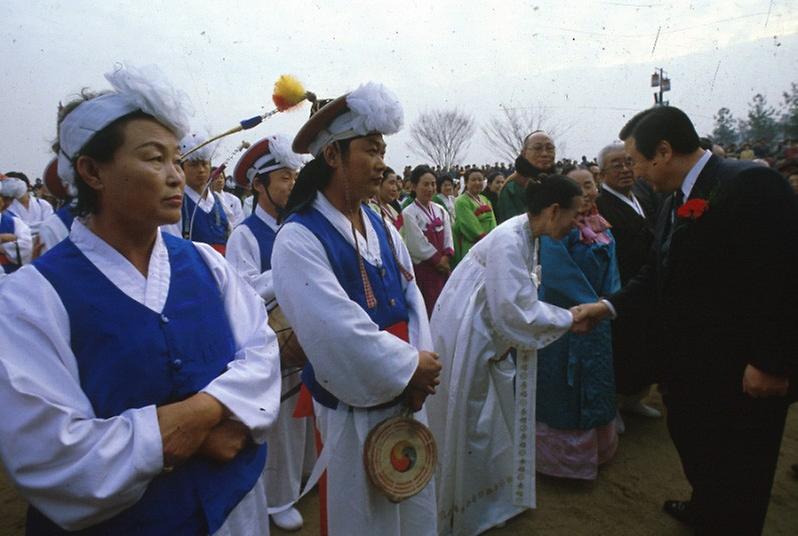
(587, 315)
(758, 384)
(425, 378)
(415, 398)
(225, 441)
(7, 237)
(185, 425)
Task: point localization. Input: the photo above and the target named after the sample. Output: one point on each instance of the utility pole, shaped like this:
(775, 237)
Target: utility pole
(660, 79)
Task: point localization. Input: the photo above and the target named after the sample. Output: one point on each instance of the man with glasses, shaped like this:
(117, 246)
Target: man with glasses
(537, 156)
(632, 227)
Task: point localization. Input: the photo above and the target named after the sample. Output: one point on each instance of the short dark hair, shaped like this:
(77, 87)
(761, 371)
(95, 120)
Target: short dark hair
(443, 178)
(549, 190)
(420, 171)
(493, 175)
(654, 125)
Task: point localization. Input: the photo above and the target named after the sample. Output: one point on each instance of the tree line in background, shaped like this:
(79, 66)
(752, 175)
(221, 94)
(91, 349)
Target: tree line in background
(762, 123)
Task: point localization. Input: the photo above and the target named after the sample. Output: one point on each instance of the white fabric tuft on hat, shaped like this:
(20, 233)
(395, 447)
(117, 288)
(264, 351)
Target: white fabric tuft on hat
(144, 89)
(192, 140)
(372, 108)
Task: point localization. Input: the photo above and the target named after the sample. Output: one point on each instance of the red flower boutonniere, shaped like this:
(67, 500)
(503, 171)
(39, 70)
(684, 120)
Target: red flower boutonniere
(693, 209)
(482, 209)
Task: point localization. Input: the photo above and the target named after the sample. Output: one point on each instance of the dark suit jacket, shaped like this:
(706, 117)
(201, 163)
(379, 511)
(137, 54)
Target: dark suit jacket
(632, 357)
(633, 233)
(724, 292)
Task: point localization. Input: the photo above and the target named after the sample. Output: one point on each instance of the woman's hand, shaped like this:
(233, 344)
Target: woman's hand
(225, 441)
(185, 425)
(443, 265)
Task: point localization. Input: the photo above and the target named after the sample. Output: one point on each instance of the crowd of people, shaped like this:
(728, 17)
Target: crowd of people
(176, 359)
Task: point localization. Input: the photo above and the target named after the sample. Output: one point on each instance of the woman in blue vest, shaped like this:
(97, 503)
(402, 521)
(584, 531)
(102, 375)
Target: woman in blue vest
(269, 167)
(132, 404)
(15, 236)
(202, 218)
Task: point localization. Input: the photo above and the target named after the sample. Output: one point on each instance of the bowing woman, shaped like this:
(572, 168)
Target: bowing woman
(428, 236)
(483, 415)
(133, 403)
(474, 216)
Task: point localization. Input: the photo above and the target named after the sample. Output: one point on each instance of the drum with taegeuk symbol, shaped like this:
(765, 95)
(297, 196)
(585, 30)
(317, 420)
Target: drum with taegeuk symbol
(400, 455)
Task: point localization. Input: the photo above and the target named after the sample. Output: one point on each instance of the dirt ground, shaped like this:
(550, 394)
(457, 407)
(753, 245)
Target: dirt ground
(625, 500)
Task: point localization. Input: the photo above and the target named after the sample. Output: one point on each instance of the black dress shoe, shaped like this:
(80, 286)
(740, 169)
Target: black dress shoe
(680, 510)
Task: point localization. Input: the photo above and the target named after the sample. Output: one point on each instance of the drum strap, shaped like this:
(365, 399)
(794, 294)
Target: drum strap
(337, 420)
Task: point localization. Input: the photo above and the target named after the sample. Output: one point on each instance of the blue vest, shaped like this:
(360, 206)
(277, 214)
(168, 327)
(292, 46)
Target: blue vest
(7, 226)
(67, 215)
(130, 357)
(210, 228)
(265, 236)
(385, 281)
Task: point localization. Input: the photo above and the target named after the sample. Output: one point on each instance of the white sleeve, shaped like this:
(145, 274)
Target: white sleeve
(250, 387)
(417, 244)
(243, 254)
(351, 357)
(46, 208)
(238, 210)
(448, 240)
(24, 242)
(74, 467)
(51, 232)
(516, 314)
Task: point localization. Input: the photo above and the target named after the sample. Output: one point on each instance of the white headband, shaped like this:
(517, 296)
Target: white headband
(192, 140)
(143, 89)
(279, 156)
(13, 187)
(372, 108)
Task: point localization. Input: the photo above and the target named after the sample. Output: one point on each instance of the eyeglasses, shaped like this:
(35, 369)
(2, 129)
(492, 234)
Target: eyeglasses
(539, 148)
(618, 165)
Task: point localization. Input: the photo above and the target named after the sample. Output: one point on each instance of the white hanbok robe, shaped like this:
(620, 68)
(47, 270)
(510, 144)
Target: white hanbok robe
(38, 210)
(22, 247)
(80, 470)
(415, 222)
(288, 439)
(232, 207)
(359, 364)
(483, 416)
(51, 231)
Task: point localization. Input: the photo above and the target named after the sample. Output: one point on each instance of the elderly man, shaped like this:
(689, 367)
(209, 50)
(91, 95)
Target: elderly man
(537, 156)
(632, 227)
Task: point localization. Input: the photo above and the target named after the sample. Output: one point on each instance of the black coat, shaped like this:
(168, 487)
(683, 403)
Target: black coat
(632, 357)
(723, 293)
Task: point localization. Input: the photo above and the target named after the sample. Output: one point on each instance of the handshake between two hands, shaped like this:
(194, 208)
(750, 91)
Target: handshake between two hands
(587, 315)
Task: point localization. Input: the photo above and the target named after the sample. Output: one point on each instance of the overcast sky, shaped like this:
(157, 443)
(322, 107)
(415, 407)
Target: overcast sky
(588, 63)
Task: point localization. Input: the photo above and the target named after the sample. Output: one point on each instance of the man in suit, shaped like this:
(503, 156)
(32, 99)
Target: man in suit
(633, 229)
(720, 283)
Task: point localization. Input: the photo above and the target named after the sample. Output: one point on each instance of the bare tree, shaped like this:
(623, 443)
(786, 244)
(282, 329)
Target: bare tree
(506, 132)
(442, 136)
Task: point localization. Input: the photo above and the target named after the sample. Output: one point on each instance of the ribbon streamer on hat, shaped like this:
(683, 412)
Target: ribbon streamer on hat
(288, 93)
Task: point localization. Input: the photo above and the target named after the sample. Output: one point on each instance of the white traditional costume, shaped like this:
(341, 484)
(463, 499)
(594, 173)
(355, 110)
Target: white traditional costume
(34, 214)
(15, 253)
(249, 251)
(91, 347)
(362, 341)
(483, 415)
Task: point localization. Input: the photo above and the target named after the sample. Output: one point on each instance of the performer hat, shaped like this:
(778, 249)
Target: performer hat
(11, 187)
(372, 108)
(267, 155)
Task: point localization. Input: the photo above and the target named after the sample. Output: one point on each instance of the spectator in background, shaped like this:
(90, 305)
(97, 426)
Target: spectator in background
(537, 157)
(474, 216)
(494, 187)
(633, 231)
(746, 153)
(27, 207)
(445, 196)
